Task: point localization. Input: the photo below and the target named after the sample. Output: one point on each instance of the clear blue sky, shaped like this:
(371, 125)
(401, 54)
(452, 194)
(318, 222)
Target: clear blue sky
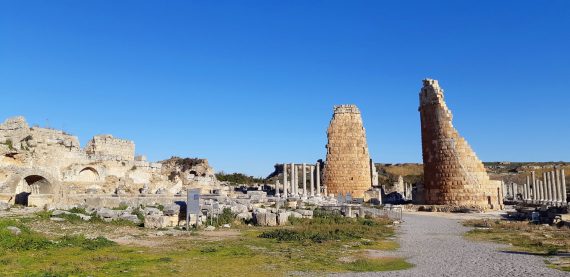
(247, 84)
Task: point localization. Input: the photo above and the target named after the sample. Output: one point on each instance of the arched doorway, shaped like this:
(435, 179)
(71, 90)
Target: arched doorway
(32, 184)
(88, 174)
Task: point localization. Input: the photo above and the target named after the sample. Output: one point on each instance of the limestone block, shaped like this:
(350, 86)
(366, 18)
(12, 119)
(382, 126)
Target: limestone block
(130, 217)
(266, 219)
(246, 216)
(283, 218)
(171, 210)
(155, 222)
(14, 230)
(152, 211)
(305, 213)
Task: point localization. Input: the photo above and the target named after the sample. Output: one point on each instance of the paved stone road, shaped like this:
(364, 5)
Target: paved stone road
(436, 247)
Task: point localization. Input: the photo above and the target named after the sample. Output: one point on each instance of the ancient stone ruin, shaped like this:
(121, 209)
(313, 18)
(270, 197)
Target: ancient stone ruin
(40, 166)
(347, 168)
(453, 175)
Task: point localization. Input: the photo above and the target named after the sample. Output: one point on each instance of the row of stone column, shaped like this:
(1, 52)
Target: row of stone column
(551, 190)
(291, 187)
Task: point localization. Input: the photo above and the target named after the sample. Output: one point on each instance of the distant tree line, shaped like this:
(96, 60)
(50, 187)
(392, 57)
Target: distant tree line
(238, 178)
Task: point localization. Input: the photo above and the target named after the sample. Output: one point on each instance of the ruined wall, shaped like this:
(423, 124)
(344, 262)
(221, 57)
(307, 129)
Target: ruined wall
(347, 167)
(453, 175)
(108, 147)
(106, 166)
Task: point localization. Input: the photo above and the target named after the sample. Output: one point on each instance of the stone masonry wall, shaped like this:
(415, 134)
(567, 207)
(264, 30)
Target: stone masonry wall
(108, 147)
(347, 169)
(453, 175)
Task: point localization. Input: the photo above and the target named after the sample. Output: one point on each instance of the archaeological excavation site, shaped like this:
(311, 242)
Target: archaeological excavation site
(104, 191)
(284, 138)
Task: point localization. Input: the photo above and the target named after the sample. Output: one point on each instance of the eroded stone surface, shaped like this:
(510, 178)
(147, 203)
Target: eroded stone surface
(453, 175)
(347, 169)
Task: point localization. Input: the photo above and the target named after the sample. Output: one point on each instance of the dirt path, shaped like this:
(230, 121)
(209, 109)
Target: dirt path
(435, 245)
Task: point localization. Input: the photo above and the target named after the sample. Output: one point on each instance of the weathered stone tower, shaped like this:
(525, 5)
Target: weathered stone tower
(453, 175)
(347, 168)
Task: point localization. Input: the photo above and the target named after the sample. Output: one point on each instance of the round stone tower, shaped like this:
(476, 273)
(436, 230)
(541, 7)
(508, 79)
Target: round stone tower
(347, 169)
(453, 175)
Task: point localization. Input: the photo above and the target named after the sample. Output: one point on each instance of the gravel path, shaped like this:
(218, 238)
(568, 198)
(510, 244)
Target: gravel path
(436, 247)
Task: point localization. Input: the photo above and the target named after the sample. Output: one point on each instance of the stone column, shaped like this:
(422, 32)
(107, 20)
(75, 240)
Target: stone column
(557, 196)
(285, 180)
(318, 176)
(563, 177)
(515, 191)
(551, 187)
(312, 181)
(525, 189)
(293, 179)
(548, 186)
(304, 180)
(543, 187)
(533, 177)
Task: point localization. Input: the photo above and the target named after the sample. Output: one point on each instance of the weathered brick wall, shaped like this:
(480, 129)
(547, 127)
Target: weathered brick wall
(108, 147)
(348, 162)
(453, 175)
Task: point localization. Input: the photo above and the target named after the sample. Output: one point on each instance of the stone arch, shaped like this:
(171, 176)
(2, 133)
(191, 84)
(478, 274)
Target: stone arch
(88, 174)
(31, 182)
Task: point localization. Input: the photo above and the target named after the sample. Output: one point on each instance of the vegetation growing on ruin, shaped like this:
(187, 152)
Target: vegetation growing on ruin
(525, 237)
(9, 143)
(332, 227)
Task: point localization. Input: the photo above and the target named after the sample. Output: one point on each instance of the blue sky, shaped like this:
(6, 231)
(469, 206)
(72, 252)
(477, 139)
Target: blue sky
(247, 84)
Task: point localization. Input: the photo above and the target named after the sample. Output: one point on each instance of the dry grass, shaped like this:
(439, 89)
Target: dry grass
(524, 236)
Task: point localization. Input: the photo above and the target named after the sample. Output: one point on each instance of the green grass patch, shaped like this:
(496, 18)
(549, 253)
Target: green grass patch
(247, 254)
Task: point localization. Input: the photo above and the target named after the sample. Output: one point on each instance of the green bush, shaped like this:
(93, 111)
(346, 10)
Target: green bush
(226, 217)
(330, 227)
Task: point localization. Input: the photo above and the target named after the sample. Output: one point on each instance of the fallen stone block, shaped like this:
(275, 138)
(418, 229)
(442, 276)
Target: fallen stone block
(152, 211)
(131, 217)
(266, 219)
(59, 212)
(296, 215)
(154, 222)
(171, 210)
(305, 213)
(244, 216)
(4, 206)
(83, 217)
(14, 230)
(283, 218)
(106, 213)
